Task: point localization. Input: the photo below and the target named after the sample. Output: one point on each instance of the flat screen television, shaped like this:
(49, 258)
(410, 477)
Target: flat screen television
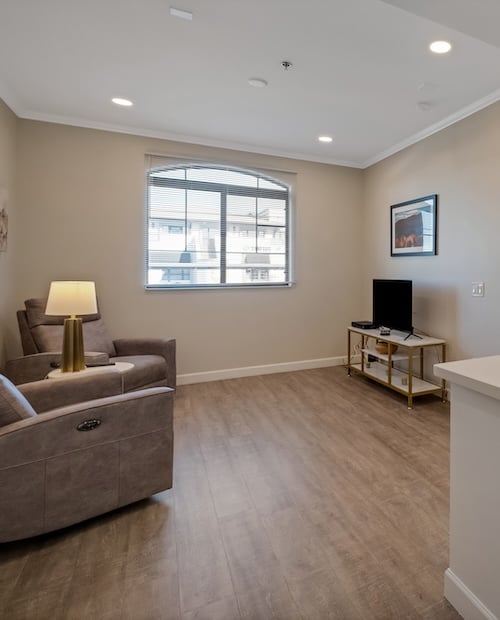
(392, 304)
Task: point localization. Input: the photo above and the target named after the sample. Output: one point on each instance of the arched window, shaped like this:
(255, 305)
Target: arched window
(213, 226)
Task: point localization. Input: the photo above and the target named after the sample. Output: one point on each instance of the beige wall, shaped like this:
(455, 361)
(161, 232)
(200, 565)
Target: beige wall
(79, 214)
(462, 165)
(81, 210)
(7, 182)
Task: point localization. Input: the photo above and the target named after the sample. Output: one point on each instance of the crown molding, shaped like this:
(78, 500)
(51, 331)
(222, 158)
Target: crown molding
(165, 135)
(435, 128)
(461, 114)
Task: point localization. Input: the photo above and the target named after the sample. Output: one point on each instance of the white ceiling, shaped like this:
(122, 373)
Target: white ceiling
(362, 71)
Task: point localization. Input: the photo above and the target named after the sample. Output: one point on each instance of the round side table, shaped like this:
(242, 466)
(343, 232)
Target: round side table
(116, 367)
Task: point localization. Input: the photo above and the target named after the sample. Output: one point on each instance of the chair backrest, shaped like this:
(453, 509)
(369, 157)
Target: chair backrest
(41, 333)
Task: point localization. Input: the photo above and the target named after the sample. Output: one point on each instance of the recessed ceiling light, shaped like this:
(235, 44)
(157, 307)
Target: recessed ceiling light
(181, 13)
(257, 82)
(440, 47)
(123, 102)
(325, 139)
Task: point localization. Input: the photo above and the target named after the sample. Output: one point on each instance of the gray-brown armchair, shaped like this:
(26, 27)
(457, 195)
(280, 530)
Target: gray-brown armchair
(41, 337)
(71, 450)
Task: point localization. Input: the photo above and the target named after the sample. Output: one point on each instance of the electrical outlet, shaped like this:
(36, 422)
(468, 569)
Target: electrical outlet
(478, 289)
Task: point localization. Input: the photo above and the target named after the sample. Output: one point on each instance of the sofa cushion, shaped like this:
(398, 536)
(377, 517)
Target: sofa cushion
(48, 338)
(47, 331)
(148, 371)
(95, 337)
(13, 405)
(35, 314)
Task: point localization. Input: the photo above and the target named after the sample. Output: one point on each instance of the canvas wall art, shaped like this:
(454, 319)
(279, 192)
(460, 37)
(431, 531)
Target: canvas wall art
(413, 227)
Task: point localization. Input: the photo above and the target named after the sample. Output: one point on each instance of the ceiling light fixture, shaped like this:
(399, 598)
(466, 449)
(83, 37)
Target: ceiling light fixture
(325, 139)
(440, 47)
(122, 102)
(257, 82)
(181, 13)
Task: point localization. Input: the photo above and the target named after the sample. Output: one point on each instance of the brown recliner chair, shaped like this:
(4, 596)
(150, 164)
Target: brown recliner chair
(71, 450)
(41, 337)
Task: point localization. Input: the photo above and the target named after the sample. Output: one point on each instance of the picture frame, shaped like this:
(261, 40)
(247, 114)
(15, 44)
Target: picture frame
(414, 227)
(4, 220)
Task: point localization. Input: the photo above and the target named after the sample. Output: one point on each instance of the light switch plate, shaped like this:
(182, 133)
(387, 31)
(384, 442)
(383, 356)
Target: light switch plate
(478, 289)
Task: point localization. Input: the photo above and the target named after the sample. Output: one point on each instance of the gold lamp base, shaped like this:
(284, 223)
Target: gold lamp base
(73, 358)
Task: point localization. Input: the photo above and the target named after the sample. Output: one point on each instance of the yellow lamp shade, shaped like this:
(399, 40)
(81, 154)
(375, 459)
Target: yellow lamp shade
(71, 298)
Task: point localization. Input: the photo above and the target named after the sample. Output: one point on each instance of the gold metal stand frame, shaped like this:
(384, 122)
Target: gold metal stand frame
(73, 358)
(410, 381)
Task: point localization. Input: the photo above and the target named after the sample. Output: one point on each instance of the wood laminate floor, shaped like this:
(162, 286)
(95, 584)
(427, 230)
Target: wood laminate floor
(306, 495)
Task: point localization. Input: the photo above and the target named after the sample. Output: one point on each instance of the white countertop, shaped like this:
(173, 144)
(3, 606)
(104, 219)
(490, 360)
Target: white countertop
(480, 374)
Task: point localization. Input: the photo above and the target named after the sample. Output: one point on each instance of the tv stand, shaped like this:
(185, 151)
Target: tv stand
(380, 366)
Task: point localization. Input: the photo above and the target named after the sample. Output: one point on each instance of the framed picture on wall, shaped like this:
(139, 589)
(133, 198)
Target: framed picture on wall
(3, 219)
(414, 227)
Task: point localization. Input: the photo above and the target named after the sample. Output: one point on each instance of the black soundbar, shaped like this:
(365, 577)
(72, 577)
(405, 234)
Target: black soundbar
(363, 324)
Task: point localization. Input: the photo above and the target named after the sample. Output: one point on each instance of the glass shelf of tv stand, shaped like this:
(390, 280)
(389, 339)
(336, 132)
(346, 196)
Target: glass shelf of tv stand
(383, 371)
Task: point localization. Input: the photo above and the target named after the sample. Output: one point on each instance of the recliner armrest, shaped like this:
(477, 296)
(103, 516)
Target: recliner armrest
(151, 346)
(51, 394)
(31, 367)
(37, 366)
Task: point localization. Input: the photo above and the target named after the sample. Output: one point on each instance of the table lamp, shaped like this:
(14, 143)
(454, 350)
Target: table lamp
(72, 298)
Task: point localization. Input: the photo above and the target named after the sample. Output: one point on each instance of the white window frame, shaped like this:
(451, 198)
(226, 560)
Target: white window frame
(154, 164)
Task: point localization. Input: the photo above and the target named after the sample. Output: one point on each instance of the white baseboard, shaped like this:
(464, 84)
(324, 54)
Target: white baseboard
(463, 600)
(252, 371)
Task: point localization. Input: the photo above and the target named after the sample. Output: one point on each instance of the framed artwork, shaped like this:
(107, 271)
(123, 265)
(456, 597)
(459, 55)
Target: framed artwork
(414, 227)
(3, 219)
